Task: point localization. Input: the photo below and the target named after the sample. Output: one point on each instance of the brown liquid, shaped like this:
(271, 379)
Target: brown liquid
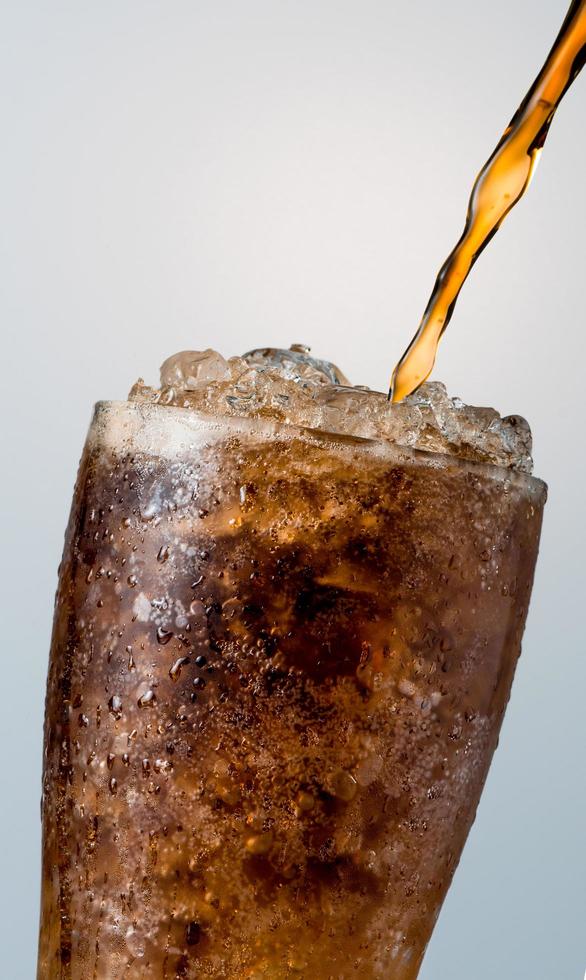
(500, 184)
(273, 698)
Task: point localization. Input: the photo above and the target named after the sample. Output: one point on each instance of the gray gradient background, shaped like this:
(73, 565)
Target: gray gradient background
(238, 174)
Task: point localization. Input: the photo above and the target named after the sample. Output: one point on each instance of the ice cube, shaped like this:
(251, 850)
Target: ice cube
(190, 369)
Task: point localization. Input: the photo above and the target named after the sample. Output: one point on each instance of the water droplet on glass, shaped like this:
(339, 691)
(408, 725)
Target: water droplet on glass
(343, 786)
(192, 933)
(162, 765)
(115, 705)
(175, 670)
(147, 700)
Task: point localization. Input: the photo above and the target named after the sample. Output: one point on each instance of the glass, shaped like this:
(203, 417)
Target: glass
(280, 663)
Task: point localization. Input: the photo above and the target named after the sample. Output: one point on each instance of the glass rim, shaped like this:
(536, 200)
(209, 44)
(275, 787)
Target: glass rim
(115, 420)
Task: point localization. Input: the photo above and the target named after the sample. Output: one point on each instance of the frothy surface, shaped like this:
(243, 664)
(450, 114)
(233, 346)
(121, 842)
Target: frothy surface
(297, 389)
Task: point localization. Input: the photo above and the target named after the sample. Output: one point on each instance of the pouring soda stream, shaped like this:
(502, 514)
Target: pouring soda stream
(500, 184)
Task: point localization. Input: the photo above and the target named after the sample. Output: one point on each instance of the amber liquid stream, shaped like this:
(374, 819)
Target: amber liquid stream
(500, 184)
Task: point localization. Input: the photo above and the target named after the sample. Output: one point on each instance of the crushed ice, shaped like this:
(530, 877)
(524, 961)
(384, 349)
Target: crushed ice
(292, 387)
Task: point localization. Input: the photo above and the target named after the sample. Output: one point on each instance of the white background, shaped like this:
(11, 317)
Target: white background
(236, 174)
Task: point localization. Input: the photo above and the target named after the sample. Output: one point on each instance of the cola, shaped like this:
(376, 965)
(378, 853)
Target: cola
(280, 662)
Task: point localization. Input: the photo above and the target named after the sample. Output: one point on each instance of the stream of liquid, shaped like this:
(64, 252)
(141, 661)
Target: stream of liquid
(500, 184)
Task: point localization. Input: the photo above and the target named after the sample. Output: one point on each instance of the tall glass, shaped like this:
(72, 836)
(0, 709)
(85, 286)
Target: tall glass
(280, 663)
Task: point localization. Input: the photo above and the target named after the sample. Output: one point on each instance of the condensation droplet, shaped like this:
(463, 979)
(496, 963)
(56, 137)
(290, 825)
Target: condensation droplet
(115, 705)
(147, 700)
(192, 933)
(175, 670)
(343, 786)
(162, 765)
